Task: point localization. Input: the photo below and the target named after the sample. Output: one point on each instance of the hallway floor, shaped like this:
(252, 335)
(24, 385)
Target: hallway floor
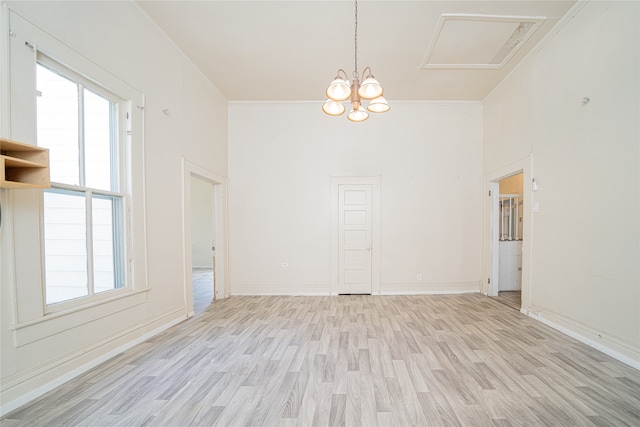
(512, 299)
(202, 280)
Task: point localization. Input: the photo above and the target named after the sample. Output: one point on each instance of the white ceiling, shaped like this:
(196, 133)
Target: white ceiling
(290, 50)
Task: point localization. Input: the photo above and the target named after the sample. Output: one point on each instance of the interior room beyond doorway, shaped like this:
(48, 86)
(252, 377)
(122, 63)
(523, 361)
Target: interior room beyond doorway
(202, 243)
(510, 224)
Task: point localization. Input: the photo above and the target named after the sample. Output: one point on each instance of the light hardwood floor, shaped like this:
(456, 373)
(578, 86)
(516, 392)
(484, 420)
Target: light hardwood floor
(512, 299)
(202, 285)
(441, 360)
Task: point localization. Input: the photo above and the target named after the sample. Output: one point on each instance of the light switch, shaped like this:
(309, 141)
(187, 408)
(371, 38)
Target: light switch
(536, 207)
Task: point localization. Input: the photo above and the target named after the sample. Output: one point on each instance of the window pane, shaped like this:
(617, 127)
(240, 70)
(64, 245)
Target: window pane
(57, 122)
(65, 242)
(107, 256)
(97, 140)
(84, 250)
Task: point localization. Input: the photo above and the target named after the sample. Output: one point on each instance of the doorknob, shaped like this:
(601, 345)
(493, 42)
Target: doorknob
(369, 248)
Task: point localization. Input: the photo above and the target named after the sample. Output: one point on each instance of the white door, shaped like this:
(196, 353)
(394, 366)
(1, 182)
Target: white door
(510, 265)
(354, 245)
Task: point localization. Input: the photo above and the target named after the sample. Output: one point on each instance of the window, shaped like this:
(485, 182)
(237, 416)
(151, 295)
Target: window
(79, 250)
(79, 122)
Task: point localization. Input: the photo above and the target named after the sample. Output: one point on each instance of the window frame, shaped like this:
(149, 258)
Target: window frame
(119, 182)
(119, 246)
(22, 265)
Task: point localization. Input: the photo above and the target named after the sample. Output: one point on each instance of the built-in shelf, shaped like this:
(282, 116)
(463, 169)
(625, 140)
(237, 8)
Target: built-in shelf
(23, 165)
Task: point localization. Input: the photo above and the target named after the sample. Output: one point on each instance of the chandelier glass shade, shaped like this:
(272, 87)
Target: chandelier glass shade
(333, 108)
(358, 115)
(378, 105)
(340, 89)
(370, 88)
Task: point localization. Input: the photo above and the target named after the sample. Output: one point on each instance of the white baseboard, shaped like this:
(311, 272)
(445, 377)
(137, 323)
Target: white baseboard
(386, 289)
(429, 288)
(452, 292)
(627, 360)
(11, 406)
(291, 290)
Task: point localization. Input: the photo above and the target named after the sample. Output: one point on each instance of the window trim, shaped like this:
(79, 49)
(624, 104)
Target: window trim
(118, 109)
(24, 218)
(62, 70)
(119, 162)
(92, 296)
(40, 328)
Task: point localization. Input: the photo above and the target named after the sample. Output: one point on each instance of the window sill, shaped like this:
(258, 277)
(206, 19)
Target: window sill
(57, 322)
(81, 303)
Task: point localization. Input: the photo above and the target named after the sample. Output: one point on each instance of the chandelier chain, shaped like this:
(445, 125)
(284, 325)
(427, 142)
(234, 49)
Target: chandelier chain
(355, 71)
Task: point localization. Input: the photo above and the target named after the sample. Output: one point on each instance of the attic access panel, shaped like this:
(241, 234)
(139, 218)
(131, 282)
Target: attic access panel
(478, 41)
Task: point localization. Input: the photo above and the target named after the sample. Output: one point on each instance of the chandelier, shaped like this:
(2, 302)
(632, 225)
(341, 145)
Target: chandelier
(340, 90)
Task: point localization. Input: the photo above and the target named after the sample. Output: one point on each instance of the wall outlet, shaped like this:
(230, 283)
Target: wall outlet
(419, 277)
(284, 264)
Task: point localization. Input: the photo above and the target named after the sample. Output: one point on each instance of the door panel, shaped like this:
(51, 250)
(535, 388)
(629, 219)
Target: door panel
(355, 257)
(355, 226)
(353, 237)
(355, 217)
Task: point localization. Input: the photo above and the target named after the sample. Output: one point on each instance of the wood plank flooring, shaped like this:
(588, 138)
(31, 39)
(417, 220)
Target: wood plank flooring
(202, 285)
(512, 299)
(438, 360)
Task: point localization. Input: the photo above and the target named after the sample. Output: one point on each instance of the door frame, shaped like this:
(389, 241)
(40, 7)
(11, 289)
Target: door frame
(219, 184)
(374, 181)
(492, 180)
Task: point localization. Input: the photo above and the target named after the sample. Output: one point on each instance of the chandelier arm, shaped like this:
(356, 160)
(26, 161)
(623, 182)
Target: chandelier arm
(344, 74)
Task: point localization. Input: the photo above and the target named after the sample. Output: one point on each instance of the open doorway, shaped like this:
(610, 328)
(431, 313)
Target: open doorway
(205, 246)
(510, 230)
(203, 240)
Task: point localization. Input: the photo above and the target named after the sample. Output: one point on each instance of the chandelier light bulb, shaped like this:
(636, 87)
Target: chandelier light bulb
(333, 108)
(370, 88)
(378, 105)
(339, 90)
(359, 115)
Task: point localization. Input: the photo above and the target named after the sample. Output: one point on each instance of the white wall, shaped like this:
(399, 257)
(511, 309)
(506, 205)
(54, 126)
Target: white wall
(202, 227)
(120, 39)
(281, 160)
(585, 267)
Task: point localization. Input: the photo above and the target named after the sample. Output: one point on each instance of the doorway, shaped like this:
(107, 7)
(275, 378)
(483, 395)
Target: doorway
(508, 219)
(205, 237)
(203, 226)
(354, 239)
(523, 219)
(355, 235)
